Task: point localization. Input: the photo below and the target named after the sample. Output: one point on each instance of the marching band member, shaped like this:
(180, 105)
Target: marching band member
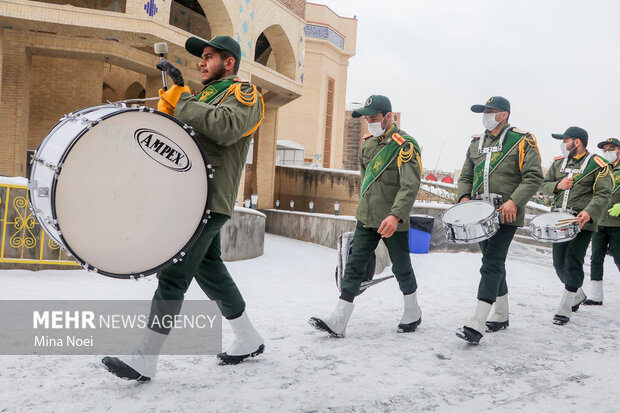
(581, 183)
(390, 170)
(608, 234)
(501, 166)
(224, 115)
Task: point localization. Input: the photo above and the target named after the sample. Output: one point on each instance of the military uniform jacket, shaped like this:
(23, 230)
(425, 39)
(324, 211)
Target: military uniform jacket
(591, 193)
(220, 127)
(608, 220)
(394, 191)
(517, 177)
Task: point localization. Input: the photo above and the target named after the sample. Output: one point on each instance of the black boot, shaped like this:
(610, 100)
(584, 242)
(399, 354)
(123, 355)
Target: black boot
(493, 326)
(469, 334)
(592, 302)
(408, 328)
(560, 320)
(122, 370)
(224, 359)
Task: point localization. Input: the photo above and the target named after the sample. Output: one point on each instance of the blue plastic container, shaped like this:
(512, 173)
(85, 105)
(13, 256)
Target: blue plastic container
(420, 233)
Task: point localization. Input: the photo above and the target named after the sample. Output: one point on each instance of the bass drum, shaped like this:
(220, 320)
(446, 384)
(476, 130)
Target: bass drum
(125, 191)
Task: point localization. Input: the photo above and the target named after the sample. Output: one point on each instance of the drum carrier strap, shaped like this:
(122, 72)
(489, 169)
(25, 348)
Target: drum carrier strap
(572, 172)
(489, 151)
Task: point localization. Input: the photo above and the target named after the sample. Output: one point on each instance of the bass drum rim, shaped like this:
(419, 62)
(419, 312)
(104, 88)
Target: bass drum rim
(180, 254)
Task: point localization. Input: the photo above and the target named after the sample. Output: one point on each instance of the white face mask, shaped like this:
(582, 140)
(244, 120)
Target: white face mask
(611, 156)
(376, 129)
(488, 121)
(564, 149)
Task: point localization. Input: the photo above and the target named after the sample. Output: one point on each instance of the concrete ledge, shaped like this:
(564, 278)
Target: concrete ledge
(322, 229)
(243, 236)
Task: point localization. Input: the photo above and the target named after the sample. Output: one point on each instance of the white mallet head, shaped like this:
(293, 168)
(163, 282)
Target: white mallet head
(161, 48)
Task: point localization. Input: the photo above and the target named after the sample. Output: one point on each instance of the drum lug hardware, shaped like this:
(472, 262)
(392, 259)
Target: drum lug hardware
(43, 192)
(52, 222)
(182, 254)
(53, 167)
(89, 123)
(174, 260)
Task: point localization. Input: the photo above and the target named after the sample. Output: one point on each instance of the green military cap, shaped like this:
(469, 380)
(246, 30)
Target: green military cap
(374, 105)
(574, 132)
(196, 46)
(494, 102)
(610, 141)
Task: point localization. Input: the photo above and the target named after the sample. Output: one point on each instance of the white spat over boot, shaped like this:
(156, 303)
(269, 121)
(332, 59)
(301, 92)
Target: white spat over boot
(412, 315)
(580, 297)
(336, 323)
(247, 342)
(498, 320)
(562, 316)
(142, 364)
(474, 329)
(596, 293)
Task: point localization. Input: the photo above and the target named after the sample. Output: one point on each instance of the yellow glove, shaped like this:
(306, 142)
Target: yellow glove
(614, 211)
(165, 107)
(173, 94)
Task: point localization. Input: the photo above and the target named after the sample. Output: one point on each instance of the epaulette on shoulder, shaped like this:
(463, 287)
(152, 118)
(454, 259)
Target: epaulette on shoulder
(521, 132)
(367, 136)
(398, 138)
(557, 158)
(600, 161)
(474, 137)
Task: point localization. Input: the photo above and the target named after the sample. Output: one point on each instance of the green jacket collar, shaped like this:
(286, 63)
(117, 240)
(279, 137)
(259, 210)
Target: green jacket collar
(229, 77)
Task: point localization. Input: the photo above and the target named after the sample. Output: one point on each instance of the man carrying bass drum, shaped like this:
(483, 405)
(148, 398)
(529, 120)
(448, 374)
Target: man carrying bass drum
(224, 115)
(501, 166)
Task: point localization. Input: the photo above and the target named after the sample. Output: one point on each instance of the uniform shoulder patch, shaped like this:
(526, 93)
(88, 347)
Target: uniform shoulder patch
(397, 137)
(600, 161)
(557, 158)
(474, 137)
(367, 136)
(520, 131)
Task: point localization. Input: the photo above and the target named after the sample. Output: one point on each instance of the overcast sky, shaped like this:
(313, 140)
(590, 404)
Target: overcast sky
(556, 61)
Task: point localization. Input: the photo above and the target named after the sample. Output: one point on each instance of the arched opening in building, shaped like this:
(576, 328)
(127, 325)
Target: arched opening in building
(108, 94)
(274, 50)
(189, 15)
(135, 91)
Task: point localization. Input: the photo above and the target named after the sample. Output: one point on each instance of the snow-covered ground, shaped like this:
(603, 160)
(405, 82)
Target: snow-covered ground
(533, 366)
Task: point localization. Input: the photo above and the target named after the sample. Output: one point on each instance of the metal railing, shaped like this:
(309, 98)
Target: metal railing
(23, 240)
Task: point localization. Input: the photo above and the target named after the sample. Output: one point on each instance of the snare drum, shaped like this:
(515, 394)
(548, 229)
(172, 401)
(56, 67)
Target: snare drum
(125, 191)
(553, 227)
(470, 222)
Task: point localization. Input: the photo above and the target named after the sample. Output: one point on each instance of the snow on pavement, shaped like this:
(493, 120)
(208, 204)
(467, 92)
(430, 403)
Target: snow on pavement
(532, 366)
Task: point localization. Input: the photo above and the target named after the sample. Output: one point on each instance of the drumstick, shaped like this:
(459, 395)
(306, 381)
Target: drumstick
(568, 220)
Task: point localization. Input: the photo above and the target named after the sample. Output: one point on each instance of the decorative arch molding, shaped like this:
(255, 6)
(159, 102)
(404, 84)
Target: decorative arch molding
(218, 17)
(281, 49)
